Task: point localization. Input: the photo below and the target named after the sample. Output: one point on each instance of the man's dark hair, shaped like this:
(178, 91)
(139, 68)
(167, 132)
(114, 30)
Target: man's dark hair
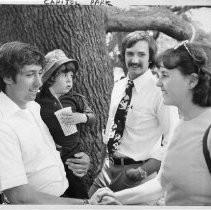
(13, 56)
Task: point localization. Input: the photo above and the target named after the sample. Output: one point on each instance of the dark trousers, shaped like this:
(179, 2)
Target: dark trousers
(1, 198)
(77, 187)
(114, 176)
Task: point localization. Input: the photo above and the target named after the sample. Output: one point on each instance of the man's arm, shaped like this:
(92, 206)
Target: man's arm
(151, 166)
(168, 118)
(143, 171)
(149, 191)
(24, 194)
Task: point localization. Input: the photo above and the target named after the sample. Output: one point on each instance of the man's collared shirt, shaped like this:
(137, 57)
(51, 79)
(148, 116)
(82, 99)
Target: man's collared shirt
(27, 151)
(147, 119)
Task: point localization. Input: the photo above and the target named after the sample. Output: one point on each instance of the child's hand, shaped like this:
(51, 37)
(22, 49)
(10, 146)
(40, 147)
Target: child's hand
(74, 118)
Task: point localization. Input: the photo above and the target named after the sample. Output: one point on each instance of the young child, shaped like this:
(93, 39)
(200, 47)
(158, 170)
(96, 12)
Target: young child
(56, 94)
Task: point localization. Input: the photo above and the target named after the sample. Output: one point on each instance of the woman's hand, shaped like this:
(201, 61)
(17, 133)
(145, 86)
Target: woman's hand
(104, 196)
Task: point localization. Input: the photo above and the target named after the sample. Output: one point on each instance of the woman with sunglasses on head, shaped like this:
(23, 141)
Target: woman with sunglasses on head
(184, 77)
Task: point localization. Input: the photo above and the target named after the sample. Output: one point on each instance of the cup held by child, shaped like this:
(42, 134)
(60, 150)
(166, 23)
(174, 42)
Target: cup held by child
(66, 127)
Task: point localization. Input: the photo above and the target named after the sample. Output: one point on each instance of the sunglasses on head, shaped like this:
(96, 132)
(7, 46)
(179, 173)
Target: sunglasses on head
(184, 44)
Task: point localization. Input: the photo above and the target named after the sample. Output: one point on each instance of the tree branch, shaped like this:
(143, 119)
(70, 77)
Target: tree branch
(147, 18)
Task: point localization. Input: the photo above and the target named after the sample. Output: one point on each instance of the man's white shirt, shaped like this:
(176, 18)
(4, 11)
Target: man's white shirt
(27, 151)
(147, 119)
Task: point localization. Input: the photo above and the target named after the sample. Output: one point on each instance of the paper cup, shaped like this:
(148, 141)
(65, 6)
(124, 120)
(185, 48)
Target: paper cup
(67, 128)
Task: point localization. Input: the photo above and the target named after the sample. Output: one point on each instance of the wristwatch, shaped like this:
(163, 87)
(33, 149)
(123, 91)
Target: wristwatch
(85, 202)
(142, 172)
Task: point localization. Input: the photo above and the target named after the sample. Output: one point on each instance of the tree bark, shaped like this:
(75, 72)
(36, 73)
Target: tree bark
(148, 18)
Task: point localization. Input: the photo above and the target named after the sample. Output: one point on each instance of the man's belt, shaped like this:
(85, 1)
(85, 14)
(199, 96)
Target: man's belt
(125, 161)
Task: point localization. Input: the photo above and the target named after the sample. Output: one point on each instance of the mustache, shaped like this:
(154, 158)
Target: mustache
(140, 65)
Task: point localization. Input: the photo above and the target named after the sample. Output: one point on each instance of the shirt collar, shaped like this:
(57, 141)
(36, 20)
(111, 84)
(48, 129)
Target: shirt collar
(142, 80)
(9, 108)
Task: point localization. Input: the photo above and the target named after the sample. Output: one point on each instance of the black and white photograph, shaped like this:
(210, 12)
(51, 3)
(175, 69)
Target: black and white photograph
(105, 104)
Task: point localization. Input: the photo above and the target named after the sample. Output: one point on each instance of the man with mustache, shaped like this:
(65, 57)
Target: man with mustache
(139, 124)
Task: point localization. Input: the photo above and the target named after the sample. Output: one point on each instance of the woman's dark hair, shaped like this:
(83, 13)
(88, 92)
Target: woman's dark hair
(13, 56)
(136, 36)
(64, 68)
(191, 58)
